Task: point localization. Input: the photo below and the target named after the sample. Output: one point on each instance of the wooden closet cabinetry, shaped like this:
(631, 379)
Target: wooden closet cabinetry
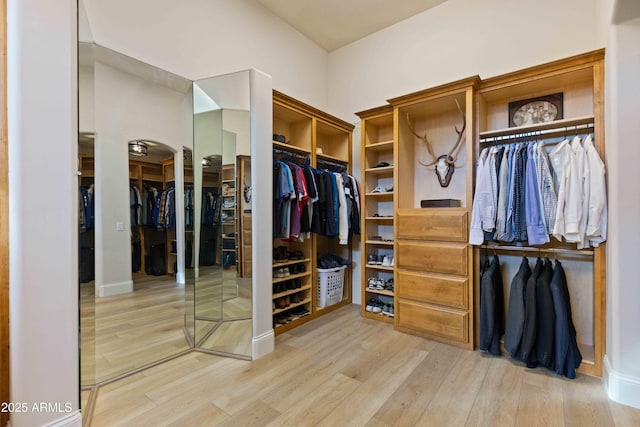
(581, 81)
(322, 140)
(434, 263)
(377, 231)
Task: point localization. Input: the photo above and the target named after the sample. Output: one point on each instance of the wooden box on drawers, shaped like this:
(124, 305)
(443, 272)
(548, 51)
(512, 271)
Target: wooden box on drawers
(448, 225)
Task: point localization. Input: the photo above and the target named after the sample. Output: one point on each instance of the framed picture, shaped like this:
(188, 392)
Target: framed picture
(535, 110)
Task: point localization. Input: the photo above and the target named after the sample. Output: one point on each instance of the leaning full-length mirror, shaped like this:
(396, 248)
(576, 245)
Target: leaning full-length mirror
(136, 219)
(222, 177)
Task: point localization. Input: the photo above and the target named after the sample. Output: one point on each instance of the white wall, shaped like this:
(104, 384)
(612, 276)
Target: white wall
(203, 38)
(42, 85)
(238, 122)
(622, 375)
(127, 108)
(454, 40)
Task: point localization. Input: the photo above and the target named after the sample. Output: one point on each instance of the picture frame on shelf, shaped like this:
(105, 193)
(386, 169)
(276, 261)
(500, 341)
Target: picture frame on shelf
(541, 109)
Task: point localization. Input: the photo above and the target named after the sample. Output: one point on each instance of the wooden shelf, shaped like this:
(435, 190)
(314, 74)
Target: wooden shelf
(292, 148)
(331, 158)
(298, 304)
(290, 292)
(379, 267)
(557, 124)
(289, 262)
(381, 292)
(379, 242)
(380, 171)
(388, 194)
(379, 218)
(280, 329)
(291, 276)
(228, 250)
(378, 316)
(380, 146)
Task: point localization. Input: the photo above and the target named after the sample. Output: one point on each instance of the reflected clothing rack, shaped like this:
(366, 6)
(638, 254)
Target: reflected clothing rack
(335, 166)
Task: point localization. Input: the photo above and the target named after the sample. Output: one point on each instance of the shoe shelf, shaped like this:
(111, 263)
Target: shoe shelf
(298, 304)
(379, 267)
(291, 292)
(290, 276)
(380, 292)
(378, 316)
(380, 218)
(330, 158)
(380, 171)
(380, 242)
(290, 262)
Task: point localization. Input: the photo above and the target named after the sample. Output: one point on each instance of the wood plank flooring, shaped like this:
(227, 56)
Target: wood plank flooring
(344, 370)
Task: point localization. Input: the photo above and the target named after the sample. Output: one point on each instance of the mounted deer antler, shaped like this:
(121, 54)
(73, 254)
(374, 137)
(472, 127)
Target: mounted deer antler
(443, 165)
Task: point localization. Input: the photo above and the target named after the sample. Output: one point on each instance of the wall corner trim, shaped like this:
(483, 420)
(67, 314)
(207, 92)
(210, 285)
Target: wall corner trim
(73, 419)
(621, 388)
(263, 344)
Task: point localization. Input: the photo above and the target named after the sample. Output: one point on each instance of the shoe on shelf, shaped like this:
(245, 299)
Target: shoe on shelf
(373, 282)
(379, 285)
(388, 309)
(377, 306)
(278, 273)
(371, 259)
(380, 260)
(370, 305)
(388, 286)
(391, 261)
(286, 272)
(386, 261)
(379, 189)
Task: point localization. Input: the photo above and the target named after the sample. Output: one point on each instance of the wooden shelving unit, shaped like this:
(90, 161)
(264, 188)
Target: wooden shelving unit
(378, 145)
(322, 139)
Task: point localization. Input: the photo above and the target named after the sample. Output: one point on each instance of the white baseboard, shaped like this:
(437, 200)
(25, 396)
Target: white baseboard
(263, 344)
(621, 388)
(180, 278)
(73, 419)
(110, 289)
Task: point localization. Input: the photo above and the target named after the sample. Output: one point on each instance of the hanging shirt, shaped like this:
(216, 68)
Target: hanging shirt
(547, 189)
(343, 214)
(576, 207)
(536, 229)
(596, 230)
(484, 201)
(560, 158)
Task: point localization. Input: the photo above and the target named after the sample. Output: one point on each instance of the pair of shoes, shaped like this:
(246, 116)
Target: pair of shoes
(374, 306)
(283, 302)
(332, 261)
(295, 255)
(296, 298)
(297, 268)
(376, 284)
(294, 283)
(280, 254)
(372, 259)
(382, 165)
(388, 310)
(281, 272)
(300, 311)
(381, 189)
(387, 261)
(388, 286)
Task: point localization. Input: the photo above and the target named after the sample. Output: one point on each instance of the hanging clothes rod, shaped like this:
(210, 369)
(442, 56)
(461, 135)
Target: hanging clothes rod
(339, 166)
(538, 134)
(290, 153)
(584, 252)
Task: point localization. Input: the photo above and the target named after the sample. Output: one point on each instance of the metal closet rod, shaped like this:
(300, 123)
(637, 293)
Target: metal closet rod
(330, 163)
(511, 138)
(586, 252)
(290, 153)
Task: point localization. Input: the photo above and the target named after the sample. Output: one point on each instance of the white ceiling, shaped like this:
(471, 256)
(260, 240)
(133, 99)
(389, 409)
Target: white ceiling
(336, 23)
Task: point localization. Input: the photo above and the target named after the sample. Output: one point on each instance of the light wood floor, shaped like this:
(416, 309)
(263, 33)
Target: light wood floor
(343, 370)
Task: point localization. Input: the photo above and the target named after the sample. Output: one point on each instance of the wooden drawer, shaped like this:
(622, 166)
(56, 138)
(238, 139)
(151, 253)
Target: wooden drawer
(450, 324)
(451, 291)
(449, 225)
(446, 258)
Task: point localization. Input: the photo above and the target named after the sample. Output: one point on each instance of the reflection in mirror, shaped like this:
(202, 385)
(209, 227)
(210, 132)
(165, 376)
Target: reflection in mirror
(86, 257)
(189, 218)
(132, 261)
(224, 289)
